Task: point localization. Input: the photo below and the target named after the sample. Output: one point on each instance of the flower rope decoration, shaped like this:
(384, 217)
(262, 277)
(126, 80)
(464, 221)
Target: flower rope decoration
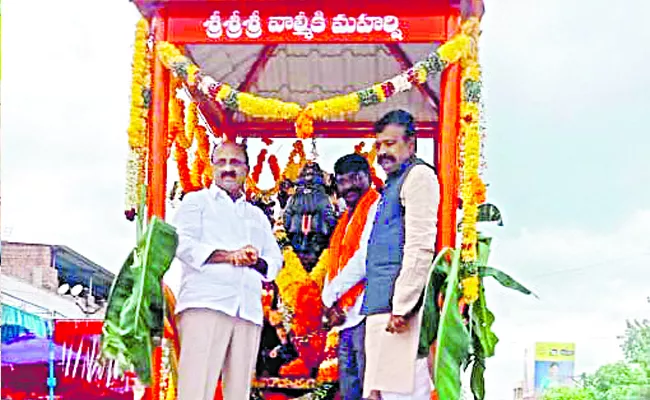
(176, 115)
(295, 163)
(139, 119)
(201, 173)
(472, 188)
(274, 109)
(252, 181)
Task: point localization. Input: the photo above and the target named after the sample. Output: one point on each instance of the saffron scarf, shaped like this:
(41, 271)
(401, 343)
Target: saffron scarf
(345, 242)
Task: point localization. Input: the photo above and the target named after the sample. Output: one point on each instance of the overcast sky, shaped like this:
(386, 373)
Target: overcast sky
(568, 142)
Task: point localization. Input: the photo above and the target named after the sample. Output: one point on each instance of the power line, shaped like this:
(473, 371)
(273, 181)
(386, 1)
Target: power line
(602, 263)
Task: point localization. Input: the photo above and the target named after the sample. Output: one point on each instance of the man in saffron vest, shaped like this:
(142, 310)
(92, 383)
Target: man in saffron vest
(400, 251)
(346, 270)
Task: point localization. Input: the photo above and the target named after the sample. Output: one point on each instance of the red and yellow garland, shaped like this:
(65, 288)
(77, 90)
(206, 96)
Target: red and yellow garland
(295, 163)
(183, 142)
(252, 190)
(297, 160)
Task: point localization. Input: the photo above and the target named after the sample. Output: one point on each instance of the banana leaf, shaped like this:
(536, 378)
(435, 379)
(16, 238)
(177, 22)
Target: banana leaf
(477, 379)
(453, 338)
(482, 319)
(135, 313)
(483, 249)
(484, 343)
(431, 311)
(504, 279)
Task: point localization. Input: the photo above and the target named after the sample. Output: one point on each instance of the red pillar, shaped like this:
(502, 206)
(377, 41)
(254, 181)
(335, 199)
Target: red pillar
(448, 150)
(157, 177)
(449, 128)
(157, 165)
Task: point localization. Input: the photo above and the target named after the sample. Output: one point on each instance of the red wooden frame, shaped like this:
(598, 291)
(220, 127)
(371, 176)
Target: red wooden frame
(257, 68)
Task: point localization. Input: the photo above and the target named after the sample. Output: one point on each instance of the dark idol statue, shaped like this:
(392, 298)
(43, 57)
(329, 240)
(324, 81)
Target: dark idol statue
(310, 218)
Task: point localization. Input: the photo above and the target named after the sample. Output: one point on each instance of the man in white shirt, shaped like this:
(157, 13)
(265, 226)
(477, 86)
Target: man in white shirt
(346, 270)
(227, 249)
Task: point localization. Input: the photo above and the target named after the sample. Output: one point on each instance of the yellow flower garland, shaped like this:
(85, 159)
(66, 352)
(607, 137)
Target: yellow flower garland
(137, 130)
(290, 277)
(201, 157)
(273, 109)
(471, 141)
(176, 124)
(471, 286)
(191, 121)
(138, 123)
(458, 48)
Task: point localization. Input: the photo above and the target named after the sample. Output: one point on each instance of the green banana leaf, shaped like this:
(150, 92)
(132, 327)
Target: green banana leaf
(504, 279)
(453, 338)
(484, 343)
(431, 311)
(477, 380)
(482, 319)
(483, 249)
(135, 313)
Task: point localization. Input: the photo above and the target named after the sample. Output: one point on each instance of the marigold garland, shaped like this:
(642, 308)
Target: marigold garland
(200, 174)
(472, 188)
(201, 165)
(252, 181)
(175, 124)
(191, 121)
(319, 272)
(290, 277)
(470, 287)
(458, 48)
(297, 160)
(139, 116)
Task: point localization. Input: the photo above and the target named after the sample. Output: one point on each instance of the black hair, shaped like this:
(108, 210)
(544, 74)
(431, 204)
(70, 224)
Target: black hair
(241, 146)
(397, 117)
(554, 364)
(351, 163)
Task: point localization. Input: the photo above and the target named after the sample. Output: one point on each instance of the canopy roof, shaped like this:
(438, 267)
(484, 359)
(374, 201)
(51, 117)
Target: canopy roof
(304, 73)
(287, 65)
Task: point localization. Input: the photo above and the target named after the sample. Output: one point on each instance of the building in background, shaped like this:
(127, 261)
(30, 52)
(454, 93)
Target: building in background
(51, 281)
(554, 365)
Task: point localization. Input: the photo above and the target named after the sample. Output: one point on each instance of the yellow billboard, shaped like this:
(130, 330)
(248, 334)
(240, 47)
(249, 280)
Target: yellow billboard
(553, 351)
(554, 365)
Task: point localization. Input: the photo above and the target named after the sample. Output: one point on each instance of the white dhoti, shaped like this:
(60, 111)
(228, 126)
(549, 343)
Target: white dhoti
(392, 366)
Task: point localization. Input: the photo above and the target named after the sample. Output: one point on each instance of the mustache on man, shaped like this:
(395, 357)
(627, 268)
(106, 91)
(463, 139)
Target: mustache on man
(385, 157)
(229, 174)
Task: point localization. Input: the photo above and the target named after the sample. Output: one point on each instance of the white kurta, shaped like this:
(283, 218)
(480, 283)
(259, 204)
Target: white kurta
(209, 220)
(391, 358)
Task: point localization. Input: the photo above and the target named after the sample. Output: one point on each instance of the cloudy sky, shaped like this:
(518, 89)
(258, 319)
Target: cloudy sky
(568, 144)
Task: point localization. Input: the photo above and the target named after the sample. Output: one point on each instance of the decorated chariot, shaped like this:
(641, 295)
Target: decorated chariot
(211, 70)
